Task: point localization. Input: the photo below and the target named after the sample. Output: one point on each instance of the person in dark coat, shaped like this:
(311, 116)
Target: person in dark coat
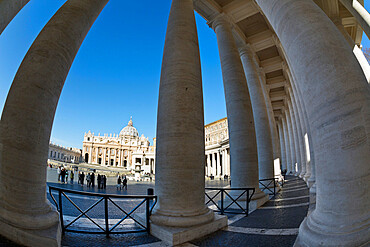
(92, 179)
(99, 181)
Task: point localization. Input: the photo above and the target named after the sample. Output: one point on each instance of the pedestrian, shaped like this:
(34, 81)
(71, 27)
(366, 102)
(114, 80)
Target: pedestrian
(92, 179)
(82, 178)
(104, 180)
(119, 182)
(88, 179)
(62, 174)
(124, 183)
(72, 176)
(99, 181)
(66, 180)
(58, 172)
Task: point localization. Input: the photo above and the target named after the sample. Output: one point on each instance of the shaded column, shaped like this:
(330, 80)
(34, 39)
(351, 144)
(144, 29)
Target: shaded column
(290, 138)
(337, 97)
(8, 10)
(260, 116)
(242, 137)
(180, 126)
(300, 135)
(286, 142)
(27, 120)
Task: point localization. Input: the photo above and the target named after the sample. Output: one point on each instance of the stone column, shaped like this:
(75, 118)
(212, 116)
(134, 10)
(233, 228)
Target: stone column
(261, 119)
(90, 154)
(282, 145)
(300, 136)
(26, 216)
(180, 126)
(286, 143)
(337, 97)
(291, 139)
(218, 164)
(119, 157)
(297, 151)
(242, 136)
(360, 13)
(8, 10)
(109, 153)
(214, 164)
(97, 155)
(270, 113)
(104, 155)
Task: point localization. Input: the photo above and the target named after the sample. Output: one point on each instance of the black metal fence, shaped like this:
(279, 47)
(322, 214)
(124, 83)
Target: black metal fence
(270, 185)
(222, 196)
(146, 201)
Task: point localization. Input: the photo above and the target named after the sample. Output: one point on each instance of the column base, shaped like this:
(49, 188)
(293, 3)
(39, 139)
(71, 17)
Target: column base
(33, 238)
(178, 235)
(313, 188)
(313, 234)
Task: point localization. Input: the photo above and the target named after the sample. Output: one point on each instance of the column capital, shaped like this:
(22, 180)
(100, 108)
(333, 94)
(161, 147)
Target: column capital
(245, 49)
(220, 19)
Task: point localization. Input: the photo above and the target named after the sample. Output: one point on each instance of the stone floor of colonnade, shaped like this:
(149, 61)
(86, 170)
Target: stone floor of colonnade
(274, 224)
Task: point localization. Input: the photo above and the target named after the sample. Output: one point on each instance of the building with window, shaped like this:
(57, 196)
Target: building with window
(217, 149)
(126, 149)
(64, 154)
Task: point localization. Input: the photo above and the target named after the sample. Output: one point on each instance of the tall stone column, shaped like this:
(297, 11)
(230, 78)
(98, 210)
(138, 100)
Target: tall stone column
(119, 157)
(337, 97)
(282, 145)
(242, 136)
(90, 154)
(260, 116)
(218, 164)
(286, 143)
(300, 136)
(297, 150)
(180, 128)
(291, 138)
(26, 216)
(8, 10)
(270, 113)
(97, 155)
(104, 155)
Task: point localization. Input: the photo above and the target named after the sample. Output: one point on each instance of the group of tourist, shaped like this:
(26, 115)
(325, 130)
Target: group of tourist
(63, 175)
(90, 180)
(121, 182)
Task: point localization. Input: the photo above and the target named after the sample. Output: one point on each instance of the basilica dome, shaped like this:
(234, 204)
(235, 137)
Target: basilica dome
(129, 130)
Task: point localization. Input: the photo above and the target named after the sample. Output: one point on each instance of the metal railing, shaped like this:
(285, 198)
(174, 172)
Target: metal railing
(148, 200)
(248, 192)
(269, 185)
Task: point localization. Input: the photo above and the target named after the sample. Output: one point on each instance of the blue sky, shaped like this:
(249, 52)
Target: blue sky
(116, 72)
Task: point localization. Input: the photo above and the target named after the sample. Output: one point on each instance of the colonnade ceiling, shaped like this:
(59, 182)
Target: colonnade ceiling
(251, 27)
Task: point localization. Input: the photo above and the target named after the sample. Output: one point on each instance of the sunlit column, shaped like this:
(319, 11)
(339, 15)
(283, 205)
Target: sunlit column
(180, 126)
(297, 151)
(260, 116)
(242, 136)
(337, 99)
(27, 120)
(97, 155)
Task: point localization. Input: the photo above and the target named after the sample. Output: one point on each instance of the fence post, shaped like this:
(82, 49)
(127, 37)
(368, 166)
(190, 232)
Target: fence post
(106, 216)
(247, 201)
(274, 187)
(222, 201)
(61, 211)
(150, 192)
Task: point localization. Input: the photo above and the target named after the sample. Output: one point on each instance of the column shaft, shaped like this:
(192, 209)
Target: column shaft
(31, 102)
(242, 137)
(180, 125)
(282, 145)
(260, 116)
(337, 97)
(291, 140)
(8, 10)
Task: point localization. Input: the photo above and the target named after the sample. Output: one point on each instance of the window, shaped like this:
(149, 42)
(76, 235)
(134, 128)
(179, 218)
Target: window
(88, 138)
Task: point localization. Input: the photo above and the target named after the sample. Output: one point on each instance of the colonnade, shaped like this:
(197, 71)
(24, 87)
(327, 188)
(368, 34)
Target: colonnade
(323, 130)
(218, 163)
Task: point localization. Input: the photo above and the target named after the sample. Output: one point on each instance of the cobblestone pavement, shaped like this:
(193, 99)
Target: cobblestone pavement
(274, 224)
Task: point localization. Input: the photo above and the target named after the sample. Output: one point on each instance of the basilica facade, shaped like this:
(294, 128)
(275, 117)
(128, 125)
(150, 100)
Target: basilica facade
(127, 150)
